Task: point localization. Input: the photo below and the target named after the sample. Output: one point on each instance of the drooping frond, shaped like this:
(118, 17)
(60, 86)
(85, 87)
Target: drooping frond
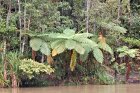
(58, 47)
(70, 44)
(45, 49)
(35, 43)
(86, 41)
(106, 47)
(98, 55)
(55, 43)
(38, 44)
(79, 48)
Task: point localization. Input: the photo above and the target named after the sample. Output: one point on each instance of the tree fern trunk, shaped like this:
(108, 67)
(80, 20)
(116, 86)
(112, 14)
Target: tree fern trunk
(33, 54)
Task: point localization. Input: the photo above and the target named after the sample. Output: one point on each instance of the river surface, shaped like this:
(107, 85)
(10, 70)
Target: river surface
(77, 89)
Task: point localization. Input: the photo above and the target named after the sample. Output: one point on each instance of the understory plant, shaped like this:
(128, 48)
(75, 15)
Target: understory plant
(30, 68)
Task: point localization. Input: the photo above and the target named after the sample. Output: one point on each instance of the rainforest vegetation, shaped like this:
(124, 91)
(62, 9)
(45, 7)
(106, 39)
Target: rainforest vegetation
(69, 42)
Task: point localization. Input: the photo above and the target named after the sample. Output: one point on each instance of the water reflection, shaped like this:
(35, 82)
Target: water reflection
(78, 89)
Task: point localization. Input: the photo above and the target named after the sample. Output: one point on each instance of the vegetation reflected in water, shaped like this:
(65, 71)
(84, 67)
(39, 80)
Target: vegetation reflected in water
(78, 89)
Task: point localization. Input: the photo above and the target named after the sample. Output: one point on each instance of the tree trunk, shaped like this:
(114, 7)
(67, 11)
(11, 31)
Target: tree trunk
(128, 69)
(87, 15)
(33, 54)
(119, 10)
(4, 61)
(19, 12)
(24, 38)
(14, 80)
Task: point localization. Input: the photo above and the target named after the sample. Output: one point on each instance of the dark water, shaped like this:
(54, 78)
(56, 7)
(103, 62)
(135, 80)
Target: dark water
(78, 89)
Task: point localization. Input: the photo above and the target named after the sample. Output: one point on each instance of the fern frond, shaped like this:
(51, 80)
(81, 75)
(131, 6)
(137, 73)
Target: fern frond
(79, 48)
(45, 49)
(56, 43)
(69, 32)
(86, 41)
(60, 47)
(83, 35)
(38, 44)
(132, 41)
(58, 36)
(70, 44)
(35, 43)
(106, 47)
(98, 55)
(113, 27)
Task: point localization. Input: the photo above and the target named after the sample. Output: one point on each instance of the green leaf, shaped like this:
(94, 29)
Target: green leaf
(84, 56)
(91, 43)
(132, 55)
(87, 50)
(69, 31)
(45, 49)
(60, 47)
(122, 54)
(38, 44)
(98, 55)
(35, 43)
(79, 49)
(122, 49)
(112, 26)
(106, 47)
(56, 43)
(83, 35)
(70, 44)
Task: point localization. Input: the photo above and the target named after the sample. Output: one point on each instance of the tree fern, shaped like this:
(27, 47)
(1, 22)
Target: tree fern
(132, 41)
(70, 40)
(112, 26)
